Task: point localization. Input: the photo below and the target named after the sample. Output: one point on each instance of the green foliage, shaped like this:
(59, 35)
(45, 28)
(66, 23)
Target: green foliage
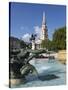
(43, 44)
(46, 44)
(59, 39)
(58, 42)
(22, 44)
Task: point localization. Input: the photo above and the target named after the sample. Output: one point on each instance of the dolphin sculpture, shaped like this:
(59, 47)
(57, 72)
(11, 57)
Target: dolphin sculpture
(19, 62)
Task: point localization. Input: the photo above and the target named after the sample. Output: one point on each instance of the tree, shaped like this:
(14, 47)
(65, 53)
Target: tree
(46, 44)
(22, 44)
(59, 39)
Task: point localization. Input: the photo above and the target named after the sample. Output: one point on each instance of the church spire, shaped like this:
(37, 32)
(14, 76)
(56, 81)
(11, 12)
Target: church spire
(43, 21)
(44, 35)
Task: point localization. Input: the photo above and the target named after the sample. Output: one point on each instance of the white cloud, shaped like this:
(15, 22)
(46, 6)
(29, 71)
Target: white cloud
(26, 37)
(24, 28)
(37, 31)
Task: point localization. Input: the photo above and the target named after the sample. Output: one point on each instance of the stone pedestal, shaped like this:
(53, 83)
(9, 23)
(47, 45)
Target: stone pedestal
(33, 44)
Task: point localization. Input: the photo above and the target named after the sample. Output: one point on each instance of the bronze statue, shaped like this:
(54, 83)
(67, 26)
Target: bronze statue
(19, 62)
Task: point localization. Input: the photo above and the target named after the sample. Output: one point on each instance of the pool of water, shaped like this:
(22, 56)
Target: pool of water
(49, 73)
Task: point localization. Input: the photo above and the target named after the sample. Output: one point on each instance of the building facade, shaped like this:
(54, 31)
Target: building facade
(14, 43)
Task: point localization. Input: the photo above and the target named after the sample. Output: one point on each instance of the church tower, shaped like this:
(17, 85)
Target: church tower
(44, 32)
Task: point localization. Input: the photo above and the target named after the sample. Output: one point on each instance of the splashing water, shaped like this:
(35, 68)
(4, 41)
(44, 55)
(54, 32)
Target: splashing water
(46, 73)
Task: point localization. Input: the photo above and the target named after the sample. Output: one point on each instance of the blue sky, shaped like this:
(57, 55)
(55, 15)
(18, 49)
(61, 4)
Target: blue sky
(24, 17)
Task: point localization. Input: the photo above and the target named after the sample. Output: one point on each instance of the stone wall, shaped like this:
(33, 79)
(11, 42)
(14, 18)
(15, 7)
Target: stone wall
(61, 55)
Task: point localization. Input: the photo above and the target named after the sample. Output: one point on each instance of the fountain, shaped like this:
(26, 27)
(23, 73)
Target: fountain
(20, 66)
(24, 67)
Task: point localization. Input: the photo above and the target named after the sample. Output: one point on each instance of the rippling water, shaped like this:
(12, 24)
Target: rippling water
(49, 72)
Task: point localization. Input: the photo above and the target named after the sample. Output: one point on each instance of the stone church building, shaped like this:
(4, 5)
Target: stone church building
(43, 36)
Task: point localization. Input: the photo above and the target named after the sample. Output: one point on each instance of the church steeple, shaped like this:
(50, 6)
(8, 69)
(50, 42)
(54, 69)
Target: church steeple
(44, 28)
(43, 21)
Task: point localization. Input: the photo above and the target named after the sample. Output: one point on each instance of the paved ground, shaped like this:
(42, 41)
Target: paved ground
(50, 73)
